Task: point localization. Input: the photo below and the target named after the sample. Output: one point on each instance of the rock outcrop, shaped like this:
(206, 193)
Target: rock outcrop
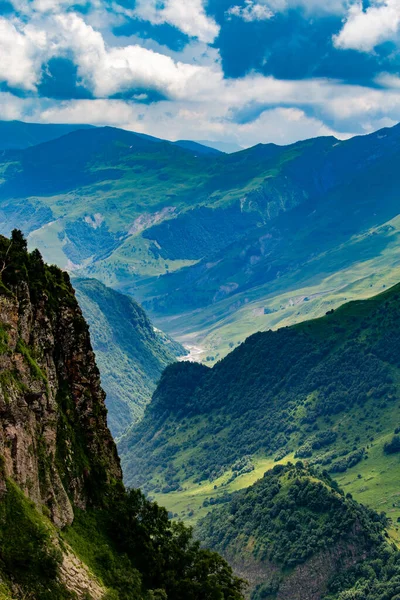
(53, 430)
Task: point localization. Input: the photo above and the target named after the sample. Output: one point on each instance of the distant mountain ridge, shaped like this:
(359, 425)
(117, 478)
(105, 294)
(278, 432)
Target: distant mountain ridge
(17, 135)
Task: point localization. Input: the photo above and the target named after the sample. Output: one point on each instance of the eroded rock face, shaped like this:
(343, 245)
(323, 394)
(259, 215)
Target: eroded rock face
(53, 428)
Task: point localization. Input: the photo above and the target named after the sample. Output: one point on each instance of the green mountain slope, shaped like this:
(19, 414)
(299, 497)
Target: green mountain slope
(295, 535)
(347, 225)
(215, 247)
(130, 353)
(68, 528)
(95, 191)
(325, 390)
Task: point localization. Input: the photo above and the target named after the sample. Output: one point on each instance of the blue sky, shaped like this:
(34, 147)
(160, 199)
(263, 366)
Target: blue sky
(243, 71)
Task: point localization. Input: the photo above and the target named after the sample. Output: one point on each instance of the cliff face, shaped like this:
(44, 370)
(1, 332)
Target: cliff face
(53, 430)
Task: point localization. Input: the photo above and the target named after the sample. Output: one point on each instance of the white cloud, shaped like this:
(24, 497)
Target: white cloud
(212, 117)
(109, 70)
(27, 7)
(365, 29)
(189, 16)
(12, 108)
(388, 80)
(251, 11)
(20, 51)
(279, 125)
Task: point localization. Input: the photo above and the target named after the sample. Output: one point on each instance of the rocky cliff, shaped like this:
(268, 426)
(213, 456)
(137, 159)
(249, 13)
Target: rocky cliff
(53, 428)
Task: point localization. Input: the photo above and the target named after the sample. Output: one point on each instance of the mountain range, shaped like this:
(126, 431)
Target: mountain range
(284, 454)
(214, 246)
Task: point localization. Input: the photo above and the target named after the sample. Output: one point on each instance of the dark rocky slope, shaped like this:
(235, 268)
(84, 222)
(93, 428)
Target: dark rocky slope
(53, 421)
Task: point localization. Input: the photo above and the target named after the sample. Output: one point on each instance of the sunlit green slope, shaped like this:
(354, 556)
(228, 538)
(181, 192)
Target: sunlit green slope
(326, 391)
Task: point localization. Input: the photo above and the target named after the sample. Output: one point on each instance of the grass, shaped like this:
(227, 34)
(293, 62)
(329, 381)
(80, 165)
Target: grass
(373, 482)
(188, 504)
(88, 541)
(36, 371)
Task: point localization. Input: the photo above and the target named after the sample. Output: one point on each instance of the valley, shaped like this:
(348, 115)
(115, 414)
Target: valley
(320, 391)
(130, 352)
(244, 313)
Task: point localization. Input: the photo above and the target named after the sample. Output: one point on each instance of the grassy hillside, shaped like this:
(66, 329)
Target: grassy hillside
(296, 535)
(130, 353)
(329, 247)
(326, 391)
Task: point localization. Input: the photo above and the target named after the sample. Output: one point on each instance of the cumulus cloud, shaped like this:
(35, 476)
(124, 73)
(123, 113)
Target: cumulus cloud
(365, 29)
(261, 10)
(28, 7)
(388, 80)
(21, 51)
(110, 70)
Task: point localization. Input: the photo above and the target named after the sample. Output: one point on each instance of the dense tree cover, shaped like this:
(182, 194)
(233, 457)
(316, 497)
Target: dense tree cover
(17, 265)
(291, 514)
(393, 446)
(294, 514)
(279, 392)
